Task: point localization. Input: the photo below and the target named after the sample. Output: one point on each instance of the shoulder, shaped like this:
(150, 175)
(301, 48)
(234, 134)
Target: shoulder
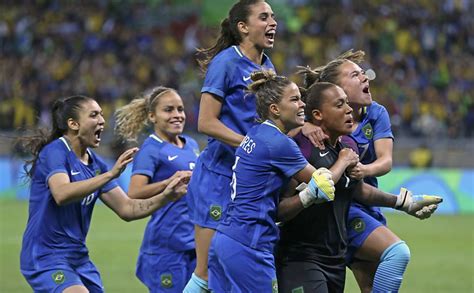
(226, 57)
(55, 147)
(375, 109)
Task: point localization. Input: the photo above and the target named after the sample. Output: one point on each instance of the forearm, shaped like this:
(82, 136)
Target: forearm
(148, 190)
(141, 208)
(372, 196)
(338, 170)
(288, 208)
(379, 167)
(74, 191)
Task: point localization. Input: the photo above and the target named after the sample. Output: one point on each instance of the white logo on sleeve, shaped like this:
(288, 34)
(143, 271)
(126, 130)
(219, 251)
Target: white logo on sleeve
(74, 173)
(172, 158)
(323, 154)
(246, 78)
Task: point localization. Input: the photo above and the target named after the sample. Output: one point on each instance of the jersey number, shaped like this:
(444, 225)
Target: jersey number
(87, 200)
(234, 179)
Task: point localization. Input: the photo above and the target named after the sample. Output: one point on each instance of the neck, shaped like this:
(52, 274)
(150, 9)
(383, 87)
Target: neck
(357, 112)
(171, 138)
(251, 52)
(333, 137)
(77, 147)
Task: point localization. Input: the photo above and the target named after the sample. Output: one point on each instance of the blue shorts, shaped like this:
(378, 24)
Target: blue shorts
(234, 267)
(58, 279)
(167, 272)
(360, 223)
(208, 196)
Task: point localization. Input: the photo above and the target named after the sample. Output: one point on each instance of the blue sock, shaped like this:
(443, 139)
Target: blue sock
(196, 285)
(393, 262)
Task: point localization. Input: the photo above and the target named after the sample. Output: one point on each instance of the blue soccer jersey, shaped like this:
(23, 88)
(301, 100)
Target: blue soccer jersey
(170, 228)
(374, 125)
(265, 161)
(227, 77)
(56, 235)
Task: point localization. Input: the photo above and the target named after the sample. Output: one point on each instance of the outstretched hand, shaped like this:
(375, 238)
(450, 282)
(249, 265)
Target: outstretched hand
(419, 206)
(176, 189)
(122, 161)
(315, 135)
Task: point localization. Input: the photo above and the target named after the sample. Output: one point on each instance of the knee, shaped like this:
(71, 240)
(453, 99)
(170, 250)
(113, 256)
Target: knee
(398, 251)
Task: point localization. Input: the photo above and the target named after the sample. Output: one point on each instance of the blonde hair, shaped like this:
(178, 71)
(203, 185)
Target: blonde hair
(131, 119)
(330, 71)
(268, 89)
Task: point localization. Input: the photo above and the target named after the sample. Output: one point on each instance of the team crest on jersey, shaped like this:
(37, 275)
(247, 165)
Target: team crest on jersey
(196, 152)
(358, 225)
(58, 277)
(216, 212)
(274, 286)
(166, 280)
(97, 172)
(368, 131)
(298, 290)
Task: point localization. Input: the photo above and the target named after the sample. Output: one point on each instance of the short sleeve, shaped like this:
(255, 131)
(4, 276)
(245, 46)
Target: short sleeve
(381, 124)
(217, 77)
(54, 161)
(146, 161)
(286, 156)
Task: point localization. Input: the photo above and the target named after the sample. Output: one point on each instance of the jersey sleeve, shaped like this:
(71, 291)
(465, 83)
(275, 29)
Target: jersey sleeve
(217, 77)
(146, 161)
(55, 161)
(286, 156)
(382, 126)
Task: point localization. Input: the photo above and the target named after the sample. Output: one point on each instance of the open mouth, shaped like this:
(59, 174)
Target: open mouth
(98, 133)
(270, 35)
(366, 90)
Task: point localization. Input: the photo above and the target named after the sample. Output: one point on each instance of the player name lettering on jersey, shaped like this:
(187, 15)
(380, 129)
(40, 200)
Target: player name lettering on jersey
(248, 145)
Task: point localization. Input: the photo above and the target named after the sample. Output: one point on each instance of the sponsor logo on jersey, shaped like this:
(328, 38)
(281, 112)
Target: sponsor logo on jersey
(58, 277)
(172, 158)
(166, 280)
(323, 154)
(216, 212)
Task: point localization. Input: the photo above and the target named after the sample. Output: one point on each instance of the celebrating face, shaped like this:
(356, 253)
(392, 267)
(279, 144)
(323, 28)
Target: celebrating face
(291, 108)
(168, 116)
(90, 124)
(261, 25)
(354, 82)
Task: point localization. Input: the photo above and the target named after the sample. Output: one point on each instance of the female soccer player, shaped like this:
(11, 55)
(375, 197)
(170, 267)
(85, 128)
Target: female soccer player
(226, 114)
(67, 177)
(310, 254)
(376, 256)
(167, 257)
(241, 254)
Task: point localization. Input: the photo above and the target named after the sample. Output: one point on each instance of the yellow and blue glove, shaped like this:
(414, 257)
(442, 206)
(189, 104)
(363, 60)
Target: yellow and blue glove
(319, 189)
(419, 206)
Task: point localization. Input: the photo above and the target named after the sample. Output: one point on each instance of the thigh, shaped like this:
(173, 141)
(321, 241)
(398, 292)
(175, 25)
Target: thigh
(245, 269)
(52, 280)
(167, 272)
(360, 225)
(90, 277)
(208, 196)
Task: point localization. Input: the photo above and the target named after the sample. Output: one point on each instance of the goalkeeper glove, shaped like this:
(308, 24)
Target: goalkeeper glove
(420, 206)
(320, 188)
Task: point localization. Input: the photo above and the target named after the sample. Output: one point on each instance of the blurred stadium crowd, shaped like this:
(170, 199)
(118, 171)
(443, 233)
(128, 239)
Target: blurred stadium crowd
(421, 50)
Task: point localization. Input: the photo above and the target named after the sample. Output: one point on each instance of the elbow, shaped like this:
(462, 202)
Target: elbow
(59, 200)
(204, 125)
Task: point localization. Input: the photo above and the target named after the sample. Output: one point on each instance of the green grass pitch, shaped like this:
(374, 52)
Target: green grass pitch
(442, 250)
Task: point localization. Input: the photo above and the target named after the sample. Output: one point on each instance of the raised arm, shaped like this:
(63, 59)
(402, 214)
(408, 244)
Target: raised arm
(64, 191)
(132, 209)
(140, 188)
(209, 123)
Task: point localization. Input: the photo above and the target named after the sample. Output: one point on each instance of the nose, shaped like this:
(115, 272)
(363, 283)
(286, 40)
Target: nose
(101, 119)
(273, 22)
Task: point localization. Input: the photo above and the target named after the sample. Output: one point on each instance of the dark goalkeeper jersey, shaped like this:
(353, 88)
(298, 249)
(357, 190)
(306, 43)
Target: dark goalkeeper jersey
(319, 231)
